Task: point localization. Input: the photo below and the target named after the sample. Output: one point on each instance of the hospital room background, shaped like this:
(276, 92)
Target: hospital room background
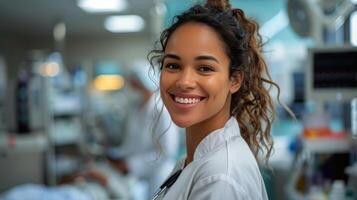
(66, 95)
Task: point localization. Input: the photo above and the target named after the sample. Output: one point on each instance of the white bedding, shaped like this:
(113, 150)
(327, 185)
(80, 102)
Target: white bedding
(118, 187)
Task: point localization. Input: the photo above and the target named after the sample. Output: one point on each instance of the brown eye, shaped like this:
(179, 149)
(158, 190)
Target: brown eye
(172, 66)
(205, 69)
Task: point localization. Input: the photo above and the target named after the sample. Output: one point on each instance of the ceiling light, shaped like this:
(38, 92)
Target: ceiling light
(102, 6)
(124, 23)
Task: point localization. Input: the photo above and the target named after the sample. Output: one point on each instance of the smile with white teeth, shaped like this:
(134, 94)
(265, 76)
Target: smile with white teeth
(187, 100)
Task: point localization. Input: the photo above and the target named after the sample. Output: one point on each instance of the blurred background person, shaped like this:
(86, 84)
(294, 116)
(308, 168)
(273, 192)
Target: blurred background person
(150, 144)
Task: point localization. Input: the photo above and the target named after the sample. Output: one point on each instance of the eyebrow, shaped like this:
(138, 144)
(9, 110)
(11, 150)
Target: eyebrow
(204, 57)
(173, 56)
(207, 58)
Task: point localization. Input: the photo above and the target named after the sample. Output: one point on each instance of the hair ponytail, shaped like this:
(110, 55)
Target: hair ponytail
(252, 105)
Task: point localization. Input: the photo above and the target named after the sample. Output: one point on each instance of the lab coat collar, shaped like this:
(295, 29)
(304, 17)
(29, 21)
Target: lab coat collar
(217, 138)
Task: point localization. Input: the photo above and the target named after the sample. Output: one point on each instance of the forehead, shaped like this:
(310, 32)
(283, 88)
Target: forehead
(193, 39)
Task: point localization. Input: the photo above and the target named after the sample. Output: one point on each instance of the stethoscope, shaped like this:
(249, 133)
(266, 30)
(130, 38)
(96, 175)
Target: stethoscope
(166, 185)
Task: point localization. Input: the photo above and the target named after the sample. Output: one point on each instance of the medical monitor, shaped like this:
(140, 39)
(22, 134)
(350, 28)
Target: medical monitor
(331, 74)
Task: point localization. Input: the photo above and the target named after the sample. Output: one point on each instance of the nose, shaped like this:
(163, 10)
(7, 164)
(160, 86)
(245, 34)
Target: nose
(186, 80)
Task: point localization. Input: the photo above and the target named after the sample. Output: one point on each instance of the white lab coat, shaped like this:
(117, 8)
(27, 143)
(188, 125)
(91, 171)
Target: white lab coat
(143, 158)
(223, 167)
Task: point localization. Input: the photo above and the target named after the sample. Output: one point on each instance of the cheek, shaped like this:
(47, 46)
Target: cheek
(165, 84)
(164, 81)
(218, 86)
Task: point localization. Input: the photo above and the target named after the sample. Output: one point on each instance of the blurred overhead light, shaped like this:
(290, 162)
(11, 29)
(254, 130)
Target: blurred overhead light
(100, 6)
(108, 82)
(124, 23)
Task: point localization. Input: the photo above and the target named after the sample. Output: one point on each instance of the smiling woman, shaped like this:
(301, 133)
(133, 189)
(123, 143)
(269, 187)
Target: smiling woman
(212, 83)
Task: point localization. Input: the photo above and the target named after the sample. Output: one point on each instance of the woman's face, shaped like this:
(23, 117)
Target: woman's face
(194, 82)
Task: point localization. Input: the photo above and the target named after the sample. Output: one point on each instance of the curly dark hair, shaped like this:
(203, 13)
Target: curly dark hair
(252, 105)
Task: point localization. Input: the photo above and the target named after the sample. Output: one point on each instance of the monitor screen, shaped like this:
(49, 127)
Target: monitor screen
(335, 69)
(332, 74)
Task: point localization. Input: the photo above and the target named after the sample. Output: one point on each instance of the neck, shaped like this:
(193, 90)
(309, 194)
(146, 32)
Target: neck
(196, 133)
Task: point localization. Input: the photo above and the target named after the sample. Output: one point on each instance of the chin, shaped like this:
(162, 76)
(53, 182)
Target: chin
(182, 123)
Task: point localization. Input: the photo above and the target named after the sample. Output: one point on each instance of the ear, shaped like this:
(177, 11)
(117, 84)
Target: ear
(236, 81)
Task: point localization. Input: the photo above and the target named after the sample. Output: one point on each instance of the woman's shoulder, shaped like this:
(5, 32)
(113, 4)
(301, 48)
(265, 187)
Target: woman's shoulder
(233, 160)
(225, 167)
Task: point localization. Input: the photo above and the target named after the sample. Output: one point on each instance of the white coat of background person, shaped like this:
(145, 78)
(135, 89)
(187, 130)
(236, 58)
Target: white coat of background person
(148, 125)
